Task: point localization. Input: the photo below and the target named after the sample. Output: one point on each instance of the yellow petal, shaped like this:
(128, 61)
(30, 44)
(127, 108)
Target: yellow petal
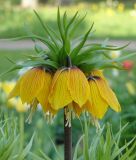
(31, 83)
(16, 90)
(19, 106)
(98, 73)
(7, 87)
(108, 95)
(50, 109)
(78, 110)
(59, 96)
(131, 88)
(105, 91)
(78, 86)
(96, 105)
(44, 92)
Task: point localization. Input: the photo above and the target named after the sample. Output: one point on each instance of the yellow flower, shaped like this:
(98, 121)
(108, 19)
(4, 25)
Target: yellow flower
(33, 86)
(131, 88)
(75, 107)
(110, 12)
(12, 103)
(101, 96)
(68, 85)
(7, 87)
(17, 104)
(121, 7)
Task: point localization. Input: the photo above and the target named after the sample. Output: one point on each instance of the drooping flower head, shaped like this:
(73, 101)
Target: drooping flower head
(67, 73)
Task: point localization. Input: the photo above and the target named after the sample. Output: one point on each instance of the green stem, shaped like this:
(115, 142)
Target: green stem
(21, 125)
(69, 63)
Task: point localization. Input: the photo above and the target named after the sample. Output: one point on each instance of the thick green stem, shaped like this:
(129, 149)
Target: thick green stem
(67, 140)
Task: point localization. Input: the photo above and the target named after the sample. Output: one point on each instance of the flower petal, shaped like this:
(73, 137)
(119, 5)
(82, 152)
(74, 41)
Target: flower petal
(78, 86)
(96, 105)
(44, 92)
(108, 95)
(78, 110)
(106, 92)
(16, 90)
(31, 83)
(59, 96)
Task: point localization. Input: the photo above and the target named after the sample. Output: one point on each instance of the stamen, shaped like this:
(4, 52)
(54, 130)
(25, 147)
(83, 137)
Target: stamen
(33, 108)
(49, 117)
(69, 114)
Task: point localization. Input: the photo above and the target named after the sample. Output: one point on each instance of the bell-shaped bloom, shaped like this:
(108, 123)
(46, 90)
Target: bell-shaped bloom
(33, 85)
(101, 96)
(68, 85)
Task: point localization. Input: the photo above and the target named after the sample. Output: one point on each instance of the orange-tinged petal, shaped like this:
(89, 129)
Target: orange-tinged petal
(59, 96)
(98, 73)
(50, 109)
(78, 86)
(106, 92)
(31, 83)
(44, 92)
(108, 95)
(78, 110)
(96, 105)
(16, 90)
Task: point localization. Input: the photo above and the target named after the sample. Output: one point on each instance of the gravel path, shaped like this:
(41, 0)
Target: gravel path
(20, 45)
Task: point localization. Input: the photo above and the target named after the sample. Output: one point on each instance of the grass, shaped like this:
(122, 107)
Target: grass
(115, 24)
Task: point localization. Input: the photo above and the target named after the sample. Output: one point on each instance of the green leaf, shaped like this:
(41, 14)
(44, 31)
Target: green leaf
(38, 48)
(28, 31)
(129, 151)
(76, 148)
(65, 20)
(80, 45)
(82, 58)
(45, 156)
(36, 157)
(42, 63)
(46, 29)
(74, 27)
(45, 41)
(58, 154)
(10, 60)
(70, 23)
(15, 67)
(7, 152)
(59, 24)
(86, 140)
(114, 155)
(122, 58)
(26, 151)
(95, 47)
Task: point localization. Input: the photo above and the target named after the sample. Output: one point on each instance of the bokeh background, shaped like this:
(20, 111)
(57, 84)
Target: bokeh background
(114, 21)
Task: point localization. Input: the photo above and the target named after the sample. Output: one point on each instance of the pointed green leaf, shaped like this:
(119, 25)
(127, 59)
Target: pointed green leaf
(80, 45)
(46, 29)
(59, 24)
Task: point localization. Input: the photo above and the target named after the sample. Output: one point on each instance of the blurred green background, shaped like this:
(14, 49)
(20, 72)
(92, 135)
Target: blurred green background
(113, 19)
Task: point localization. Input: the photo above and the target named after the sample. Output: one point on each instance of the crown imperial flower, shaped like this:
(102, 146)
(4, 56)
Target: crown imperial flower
(67, 74)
